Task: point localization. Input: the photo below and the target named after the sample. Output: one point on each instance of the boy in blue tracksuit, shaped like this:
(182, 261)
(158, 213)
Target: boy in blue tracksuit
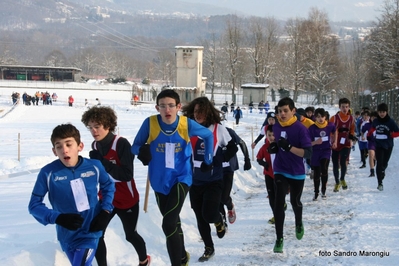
(71, 183)
(163, 143)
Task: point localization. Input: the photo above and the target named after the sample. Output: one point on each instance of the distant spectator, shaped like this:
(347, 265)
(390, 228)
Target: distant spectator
(237, 114)
(98, 101)
(267, 107)
(70, 100)
(251, 106)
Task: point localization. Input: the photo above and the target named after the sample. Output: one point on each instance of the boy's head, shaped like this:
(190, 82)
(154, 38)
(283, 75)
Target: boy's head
(373, 115)
(309, 111)
(269, 133)
(168, 93)
(271, 118)
(344, 105)
(66, 144)
(168, 105)
(366, 115)
(100, 120)
(202, 111)
(382, 109)
(320, 115)
(286, 109)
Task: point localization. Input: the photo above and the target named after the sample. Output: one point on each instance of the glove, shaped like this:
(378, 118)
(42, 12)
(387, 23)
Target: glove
(263, 163)
(145, 154)
(284, 144)
(206, 167)
(352, 137)
(247, 164)
(70, 221)
(229, 151)
(95, 154)
(273, 148)
(343, 129)
(99, 222)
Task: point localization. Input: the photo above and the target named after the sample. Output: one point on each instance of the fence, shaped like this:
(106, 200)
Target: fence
(391, 98)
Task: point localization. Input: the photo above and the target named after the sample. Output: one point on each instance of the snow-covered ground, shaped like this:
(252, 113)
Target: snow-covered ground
(360, 219)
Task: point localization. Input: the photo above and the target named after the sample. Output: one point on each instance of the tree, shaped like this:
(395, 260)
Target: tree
(263, 41)
(322, 54)
(233, 38)
(55, 59)
(383, 47)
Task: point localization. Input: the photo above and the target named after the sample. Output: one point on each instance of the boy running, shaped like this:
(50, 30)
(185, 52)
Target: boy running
(292, 146)
(163, 143)
(71, 183)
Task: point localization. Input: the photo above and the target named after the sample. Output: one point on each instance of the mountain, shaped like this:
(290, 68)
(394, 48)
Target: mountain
(338, 10)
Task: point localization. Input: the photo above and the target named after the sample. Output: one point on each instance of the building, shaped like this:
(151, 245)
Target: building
(39, 73)
(190, 83)
(254, 92)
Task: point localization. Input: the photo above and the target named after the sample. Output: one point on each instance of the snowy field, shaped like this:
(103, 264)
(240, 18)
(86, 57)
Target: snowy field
(359, 226)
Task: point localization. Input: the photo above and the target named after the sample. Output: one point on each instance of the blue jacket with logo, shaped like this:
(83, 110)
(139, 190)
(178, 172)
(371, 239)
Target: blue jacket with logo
(55, 179)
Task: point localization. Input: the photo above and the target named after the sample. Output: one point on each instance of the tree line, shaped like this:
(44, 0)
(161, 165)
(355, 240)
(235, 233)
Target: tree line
(301, 54)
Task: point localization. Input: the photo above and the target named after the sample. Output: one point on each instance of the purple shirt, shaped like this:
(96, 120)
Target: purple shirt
(323, 150)
(287, 162)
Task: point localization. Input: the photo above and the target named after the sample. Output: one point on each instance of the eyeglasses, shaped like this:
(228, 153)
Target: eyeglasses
(164, 106)
(97, 127)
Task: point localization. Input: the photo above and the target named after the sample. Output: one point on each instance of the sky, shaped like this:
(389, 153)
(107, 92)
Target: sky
(355, 10)
(358, 219)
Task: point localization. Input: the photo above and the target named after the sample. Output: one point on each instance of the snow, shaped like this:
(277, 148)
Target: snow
(356, 220)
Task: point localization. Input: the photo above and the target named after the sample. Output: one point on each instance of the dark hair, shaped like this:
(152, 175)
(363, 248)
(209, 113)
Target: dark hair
(286, 101)
(357, 113)
(382, 107)
(65, 131)
(320, 111)
(102, 115)
(206, 108)
(366, 113)
(344, 101)
(310, 109)
(269, 128)
(170, 94)
(374, 114)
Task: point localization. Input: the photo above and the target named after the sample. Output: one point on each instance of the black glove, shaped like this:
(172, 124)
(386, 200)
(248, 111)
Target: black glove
(95, 154)
(343, 129)
(70, 221)
(263, 163)
(206, 167)
(247, 164)
(145, 154)
(352, 137)
(284, 144)
(99, 222)
(273, 148)
(229, 151)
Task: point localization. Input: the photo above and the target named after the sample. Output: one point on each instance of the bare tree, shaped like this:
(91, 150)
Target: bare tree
(383, 47)
(322, 54)
(55, 59)
(233, 38)
(263, 41)
(294, 60)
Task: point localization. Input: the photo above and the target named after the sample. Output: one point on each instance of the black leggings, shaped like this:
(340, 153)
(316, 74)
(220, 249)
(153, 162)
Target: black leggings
(170, 206)
(382, 157)
(321, 171)
(270, 187)
(226, 199)
(205, 202)
(129, 219)
(342, 157)
(296, 188)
